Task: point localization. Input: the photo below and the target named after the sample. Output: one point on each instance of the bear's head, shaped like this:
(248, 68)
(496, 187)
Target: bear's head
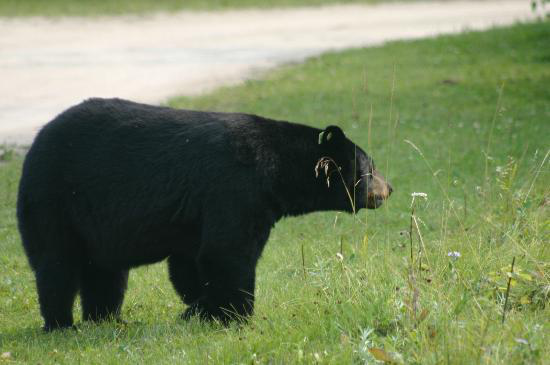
(351, 179)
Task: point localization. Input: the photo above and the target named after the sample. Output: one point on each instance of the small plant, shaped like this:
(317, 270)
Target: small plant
(527, 288)
(7, 153)
(539, 4)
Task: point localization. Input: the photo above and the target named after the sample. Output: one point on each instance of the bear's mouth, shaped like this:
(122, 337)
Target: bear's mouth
(377, 191)
(375, 201)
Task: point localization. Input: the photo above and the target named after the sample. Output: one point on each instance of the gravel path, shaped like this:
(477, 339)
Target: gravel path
(47, 65)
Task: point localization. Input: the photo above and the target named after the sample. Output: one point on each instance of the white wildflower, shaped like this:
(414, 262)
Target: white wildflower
(522, 341)
(420, 195)
(454, 255)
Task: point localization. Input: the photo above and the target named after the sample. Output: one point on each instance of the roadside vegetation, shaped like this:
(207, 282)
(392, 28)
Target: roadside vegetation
(54, 8)
(462, 121)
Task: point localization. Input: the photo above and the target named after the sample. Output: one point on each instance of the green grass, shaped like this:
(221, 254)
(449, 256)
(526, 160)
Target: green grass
(110, 7)
(477, 107)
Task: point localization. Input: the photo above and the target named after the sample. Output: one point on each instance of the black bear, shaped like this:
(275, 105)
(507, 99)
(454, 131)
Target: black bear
(109, 185)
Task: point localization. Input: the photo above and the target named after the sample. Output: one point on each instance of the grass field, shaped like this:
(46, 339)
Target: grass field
(464, 119)
(110, 7)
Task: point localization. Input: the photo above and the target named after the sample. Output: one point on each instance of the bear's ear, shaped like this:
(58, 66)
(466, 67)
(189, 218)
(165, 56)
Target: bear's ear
(331, 134)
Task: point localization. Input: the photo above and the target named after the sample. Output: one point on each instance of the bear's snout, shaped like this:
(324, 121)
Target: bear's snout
(378, 191)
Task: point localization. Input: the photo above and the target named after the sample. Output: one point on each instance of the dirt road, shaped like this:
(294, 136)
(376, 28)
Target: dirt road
(47, 65)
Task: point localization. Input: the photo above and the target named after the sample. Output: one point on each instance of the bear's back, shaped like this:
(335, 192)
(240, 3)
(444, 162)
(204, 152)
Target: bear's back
(130, 162)
(110, 138)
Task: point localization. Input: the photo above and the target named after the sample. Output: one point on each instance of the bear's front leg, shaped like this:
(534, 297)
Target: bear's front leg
(231, 243)
(228, 292)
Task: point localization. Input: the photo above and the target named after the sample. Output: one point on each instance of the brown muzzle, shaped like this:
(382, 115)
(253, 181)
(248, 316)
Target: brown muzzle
(378, 191)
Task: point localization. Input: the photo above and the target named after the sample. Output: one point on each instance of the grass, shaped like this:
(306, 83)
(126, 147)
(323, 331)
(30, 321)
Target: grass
(475, 111)
(110, 7)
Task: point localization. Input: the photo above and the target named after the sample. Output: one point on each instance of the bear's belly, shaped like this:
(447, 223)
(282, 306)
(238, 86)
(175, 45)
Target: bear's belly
(149, 248)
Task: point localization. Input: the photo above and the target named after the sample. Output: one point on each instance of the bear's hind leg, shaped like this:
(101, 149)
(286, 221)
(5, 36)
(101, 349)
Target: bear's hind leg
(102, 292)
(54, 253)
(184, 275)
(57, 284)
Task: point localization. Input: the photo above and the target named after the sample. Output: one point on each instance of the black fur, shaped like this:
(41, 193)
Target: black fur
(110, 184)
